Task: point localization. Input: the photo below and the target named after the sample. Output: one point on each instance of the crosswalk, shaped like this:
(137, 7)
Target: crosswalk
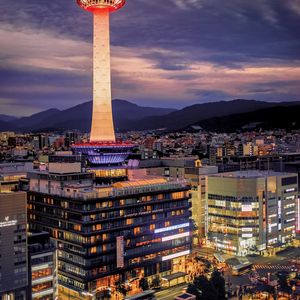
(272, 267)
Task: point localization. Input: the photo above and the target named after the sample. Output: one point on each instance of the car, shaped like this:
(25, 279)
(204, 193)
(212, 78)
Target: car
(294, 269)
(282, 273)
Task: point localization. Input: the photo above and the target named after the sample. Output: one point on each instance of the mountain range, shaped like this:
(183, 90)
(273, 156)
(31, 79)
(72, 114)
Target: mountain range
(218, 116)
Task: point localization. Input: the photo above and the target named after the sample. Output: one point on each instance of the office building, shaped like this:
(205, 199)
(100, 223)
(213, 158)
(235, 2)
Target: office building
(105, 234)
(41, 267)
(13, 246)
(191, 170)
(251, 211)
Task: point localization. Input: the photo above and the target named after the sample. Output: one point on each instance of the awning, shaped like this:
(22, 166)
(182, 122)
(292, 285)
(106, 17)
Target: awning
(219, 258)
(174, 276)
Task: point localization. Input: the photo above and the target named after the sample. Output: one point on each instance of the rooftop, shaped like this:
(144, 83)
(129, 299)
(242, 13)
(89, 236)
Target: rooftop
(251, 174)
(85, 191)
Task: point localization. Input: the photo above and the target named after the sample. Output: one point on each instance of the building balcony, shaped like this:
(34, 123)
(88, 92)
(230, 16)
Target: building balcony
(43, 280)
(43, 293)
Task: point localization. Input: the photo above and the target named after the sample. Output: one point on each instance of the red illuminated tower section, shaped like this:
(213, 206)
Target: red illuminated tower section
(102, 150)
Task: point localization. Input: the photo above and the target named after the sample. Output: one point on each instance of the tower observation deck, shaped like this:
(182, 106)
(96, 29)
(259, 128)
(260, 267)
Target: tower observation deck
(103, 148)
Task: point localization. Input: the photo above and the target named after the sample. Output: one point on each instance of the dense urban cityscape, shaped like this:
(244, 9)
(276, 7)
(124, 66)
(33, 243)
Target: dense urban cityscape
(161, 206)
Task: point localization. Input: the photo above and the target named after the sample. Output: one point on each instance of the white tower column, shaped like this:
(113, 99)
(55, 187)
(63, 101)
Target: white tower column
(102, 120)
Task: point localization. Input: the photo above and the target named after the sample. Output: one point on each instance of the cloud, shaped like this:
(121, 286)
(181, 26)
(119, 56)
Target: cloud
(182, 52)
(42, 50)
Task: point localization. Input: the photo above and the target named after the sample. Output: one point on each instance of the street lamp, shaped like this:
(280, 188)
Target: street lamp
(293, 291)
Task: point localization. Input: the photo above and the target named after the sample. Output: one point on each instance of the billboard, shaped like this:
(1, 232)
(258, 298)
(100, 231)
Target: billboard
(120, 251)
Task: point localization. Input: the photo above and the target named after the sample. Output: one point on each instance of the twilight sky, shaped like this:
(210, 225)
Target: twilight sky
(168, 53)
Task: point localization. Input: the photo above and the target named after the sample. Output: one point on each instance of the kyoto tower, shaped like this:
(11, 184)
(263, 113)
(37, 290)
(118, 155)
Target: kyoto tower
(102, 149)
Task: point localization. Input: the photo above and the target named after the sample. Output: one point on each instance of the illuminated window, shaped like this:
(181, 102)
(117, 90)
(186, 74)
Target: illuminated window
(177, 195)
(152, 227)
(129, 221)
(93, 250)
(137, 230)
(41, 273)
(77, 227)
(42, 287)
(97, 227)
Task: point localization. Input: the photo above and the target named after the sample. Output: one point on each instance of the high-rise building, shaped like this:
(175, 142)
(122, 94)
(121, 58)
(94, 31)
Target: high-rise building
(252, 211)
(41, 267)
(191, 170)
(13, 246)
(110, 234)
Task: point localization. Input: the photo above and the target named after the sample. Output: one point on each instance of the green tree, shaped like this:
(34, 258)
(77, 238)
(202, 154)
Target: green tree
(193, 289)
(283, 282)
(120, 287)
(203, 289)
(218, 282)
(144, 284)
(156, 282)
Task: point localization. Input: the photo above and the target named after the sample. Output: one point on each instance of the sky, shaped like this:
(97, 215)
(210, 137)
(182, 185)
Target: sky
(165, 53)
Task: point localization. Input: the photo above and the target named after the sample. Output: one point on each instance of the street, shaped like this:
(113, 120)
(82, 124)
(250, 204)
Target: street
(266, 267)
(170, 293)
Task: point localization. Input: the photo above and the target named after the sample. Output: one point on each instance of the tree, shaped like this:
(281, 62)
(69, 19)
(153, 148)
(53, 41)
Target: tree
(218, 282)
(156, 282)
(193, 289)
(283, 282)
(120, 287)
(144, 285)
(203, 289)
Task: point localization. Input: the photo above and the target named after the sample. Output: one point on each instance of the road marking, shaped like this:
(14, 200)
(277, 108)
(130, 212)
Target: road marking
(272, 267)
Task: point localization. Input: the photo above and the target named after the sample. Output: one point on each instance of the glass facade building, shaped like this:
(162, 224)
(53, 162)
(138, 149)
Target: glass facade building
(13, 246)
(106, 234)
(42, 269)
(251, 211)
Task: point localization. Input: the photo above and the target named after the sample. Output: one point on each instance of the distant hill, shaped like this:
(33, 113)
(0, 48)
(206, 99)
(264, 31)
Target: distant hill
(217, 116)
(79, 117)
(6, 126)
(35, 119)
(282, 116)
(198, 112)
(7, 118)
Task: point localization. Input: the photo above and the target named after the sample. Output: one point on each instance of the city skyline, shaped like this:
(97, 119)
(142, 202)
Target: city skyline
(173, 56)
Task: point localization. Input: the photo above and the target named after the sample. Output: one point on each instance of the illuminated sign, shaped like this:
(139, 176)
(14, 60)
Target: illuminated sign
(175, 236)
(171, 227)
(120, 251)
(247, 229)
(144, 243)
(171, 256)
(290, 190)
(247, 207)
(247, 235)
(298, 215)
(7, 222)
